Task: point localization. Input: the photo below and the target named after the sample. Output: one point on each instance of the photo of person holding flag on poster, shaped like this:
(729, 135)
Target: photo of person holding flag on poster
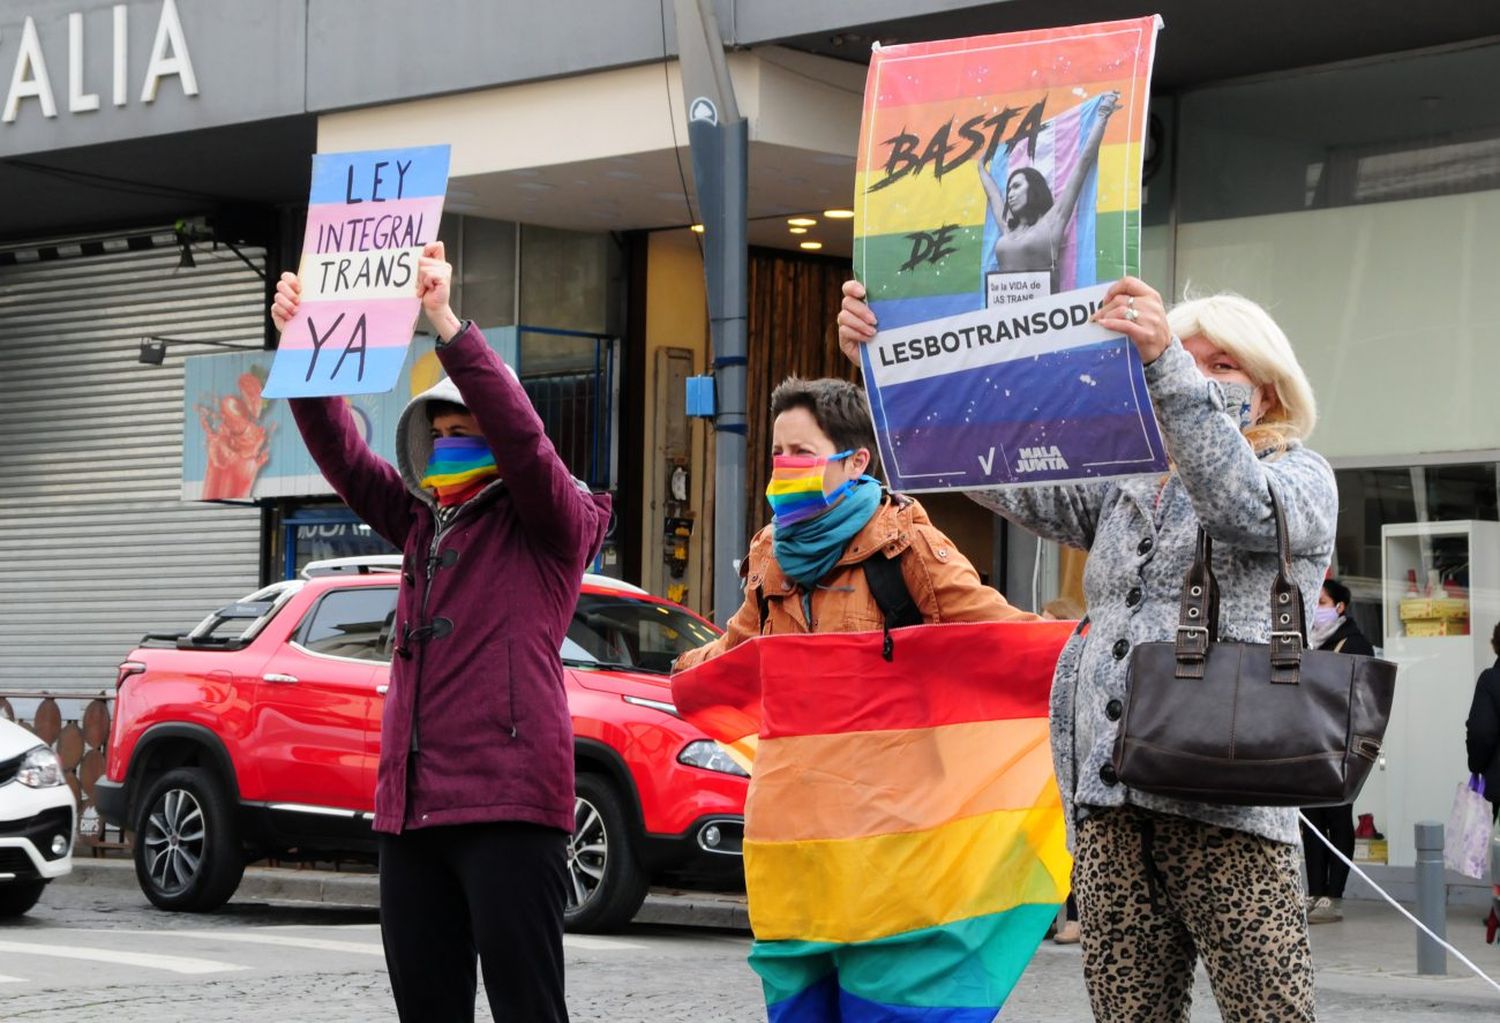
(1034, 227)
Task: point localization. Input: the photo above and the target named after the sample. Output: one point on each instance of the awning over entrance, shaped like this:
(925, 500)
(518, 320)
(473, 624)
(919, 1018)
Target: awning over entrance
(609, 151)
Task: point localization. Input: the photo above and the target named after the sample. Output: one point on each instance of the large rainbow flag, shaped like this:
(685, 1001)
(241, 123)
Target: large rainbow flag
(904, 843)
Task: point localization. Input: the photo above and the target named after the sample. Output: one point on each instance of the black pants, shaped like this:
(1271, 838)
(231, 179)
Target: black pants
(1326, 874)
(495, 892)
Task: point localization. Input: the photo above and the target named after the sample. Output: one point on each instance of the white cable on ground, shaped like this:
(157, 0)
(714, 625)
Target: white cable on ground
(1399, 908)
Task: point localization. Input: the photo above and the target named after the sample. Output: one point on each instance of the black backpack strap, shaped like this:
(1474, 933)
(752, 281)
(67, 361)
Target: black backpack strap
(888, 587)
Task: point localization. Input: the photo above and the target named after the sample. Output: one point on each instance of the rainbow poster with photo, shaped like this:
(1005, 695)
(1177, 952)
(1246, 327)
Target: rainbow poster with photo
(904, 837)
(368, 216)
(998, 192)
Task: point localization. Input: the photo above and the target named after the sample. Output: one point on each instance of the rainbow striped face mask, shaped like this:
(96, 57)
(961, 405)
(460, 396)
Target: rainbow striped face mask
(796, 488)
(459, 468)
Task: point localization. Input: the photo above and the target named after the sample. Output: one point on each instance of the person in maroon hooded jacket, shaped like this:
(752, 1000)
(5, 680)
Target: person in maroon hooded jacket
(474, 794)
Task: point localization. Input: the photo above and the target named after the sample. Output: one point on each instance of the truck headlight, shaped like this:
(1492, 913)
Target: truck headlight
(710, 756)
(40, 769)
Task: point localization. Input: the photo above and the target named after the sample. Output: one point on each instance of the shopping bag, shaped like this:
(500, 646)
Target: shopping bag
(1466, 840)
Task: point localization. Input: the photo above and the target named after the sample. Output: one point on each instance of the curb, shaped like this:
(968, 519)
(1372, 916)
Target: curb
(663, 906)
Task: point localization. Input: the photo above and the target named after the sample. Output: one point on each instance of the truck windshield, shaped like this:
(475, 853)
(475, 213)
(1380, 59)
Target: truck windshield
(619, 631)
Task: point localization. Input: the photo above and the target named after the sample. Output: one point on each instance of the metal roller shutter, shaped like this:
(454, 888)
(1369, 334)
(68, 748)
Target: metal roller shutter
(96, 545)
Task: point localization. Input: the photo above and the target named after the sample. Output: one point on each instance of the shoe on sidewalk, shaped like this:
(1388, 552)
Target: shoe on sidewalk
(1325, 911)
(1068, 935)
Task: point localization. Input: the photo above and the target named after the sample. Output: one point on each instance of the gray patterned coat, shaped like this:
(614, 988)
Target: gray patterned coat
(1140, 535)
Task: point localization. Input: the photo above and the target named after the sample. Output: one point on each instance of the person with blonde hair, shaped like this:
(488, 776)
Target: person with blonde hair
(1160, 881)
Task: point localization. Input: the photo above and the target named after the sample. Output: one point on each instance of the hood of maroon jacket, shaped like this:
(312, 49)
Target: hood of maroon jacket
(476, 724)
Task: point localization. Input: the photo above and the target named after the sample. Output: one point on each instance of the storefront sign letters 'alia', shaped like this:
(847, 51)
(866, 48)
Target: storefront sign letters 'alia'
(31, 76)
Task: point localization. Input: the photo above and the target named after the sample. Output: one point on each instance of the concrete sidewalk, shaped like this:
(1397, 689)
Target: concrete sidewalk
(1373, 953)
(334, 888)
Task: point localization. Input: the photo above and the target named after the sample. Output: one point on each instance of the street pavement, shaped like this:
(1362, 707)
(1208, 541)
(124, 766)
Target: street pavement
(94, 950)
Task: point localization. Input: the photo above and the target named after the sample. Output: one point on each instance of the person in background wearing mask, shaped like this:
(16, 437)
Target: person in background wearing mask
(474, 794)
(1332, 629)
(1482, 731)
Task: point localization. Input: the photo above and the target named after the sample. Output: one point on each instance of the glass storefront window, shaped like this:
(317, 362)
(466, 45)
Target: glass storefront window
(1402, 127)
(507, 273)
(1370, 499)
(488, 271)
(1359, 203)
(318, 534)
(569, 280)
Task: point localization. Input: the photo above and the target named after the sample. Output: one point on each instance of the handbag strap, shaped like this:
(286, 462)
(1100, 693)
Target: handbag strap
(1198, 616)
(1288, 618)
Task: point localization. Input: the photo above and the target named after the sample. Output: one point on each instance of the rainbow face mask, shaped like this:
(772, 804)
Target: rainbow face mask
(796, 492)
(459, 468)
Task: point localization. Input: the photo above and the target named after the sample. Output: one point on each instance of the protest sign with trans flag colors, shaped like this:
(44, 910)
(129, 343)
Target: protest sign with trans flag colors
(904, 842)
(369, 215)
(997, 175)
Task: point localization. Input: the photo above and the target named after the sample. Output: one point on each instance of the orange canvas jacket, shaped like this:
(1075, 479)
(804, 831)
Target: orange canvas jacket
(942, 583)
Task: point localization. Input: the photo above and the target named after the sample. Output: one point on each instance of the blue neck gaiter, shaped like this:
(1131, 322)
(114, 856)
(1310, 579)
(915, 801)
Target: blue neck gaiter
(807, 550)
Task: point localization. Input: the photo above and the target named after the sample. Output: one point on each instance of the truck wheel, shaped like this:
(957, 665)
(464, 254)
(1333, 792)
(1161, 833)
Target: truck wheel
(188, 855)
(606, 884)
(19, 896)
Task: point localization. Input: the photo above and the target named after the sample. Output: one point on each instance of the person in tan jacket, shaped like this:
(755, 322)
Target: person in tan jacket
(810, 570)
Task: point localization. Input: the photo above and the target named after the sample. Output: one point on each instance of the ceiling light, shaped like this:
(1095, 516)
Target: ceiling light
(697, 228)
(812, 246)
(801, 221)
(838, 214)
(797, 230)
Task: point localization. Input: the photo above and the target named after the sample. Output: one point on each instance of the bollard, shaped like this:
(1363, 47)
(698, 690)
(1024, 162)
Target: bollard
(1432, 899)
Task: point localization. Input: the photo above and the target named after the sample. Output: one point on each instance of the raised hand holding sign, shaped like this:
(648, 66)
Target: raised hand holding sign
(347, 320)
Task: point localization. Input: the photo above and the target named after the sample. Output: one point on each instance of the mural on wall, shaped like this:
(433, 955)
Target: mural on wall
(239, 445)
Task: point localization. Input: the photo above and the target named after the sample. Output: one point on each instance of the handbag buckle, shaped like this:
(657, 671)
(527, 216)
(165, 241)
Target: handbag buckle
(1195, 646)
(1286, 657)
(1286, 646)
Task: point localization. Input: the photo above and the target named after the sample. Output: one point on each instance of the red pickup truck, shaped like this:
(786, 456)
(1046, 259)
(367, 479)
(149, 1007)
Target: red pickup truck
(257, 735)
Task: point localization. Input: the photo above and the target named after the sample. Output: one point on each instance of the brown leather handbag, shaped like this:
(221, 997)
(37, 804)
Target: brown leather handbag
(1251, 724)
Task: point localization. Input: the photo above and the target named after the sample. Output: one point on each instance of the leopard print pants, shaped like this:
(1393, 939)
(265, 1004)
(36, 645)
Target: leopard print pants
(1154, 890)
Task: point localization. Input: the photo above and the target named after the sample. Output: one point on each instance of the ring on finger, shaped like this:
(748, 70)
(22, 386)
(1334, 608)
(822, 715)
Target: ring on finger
(1130, 301)
(1131, 314)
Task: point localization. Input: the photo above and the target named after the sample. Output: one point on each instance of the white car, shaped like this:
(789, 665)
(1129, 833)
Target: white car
(37, 819)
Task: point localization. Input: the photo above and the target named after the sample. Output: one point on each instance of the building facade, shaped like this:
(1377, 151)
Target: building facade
(1339, 164)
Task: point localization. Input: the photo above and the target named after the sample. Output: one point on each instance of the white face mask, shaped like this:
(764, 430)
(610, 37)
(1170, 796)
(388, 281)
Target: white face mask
(1237, 402)
(1324, 617)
